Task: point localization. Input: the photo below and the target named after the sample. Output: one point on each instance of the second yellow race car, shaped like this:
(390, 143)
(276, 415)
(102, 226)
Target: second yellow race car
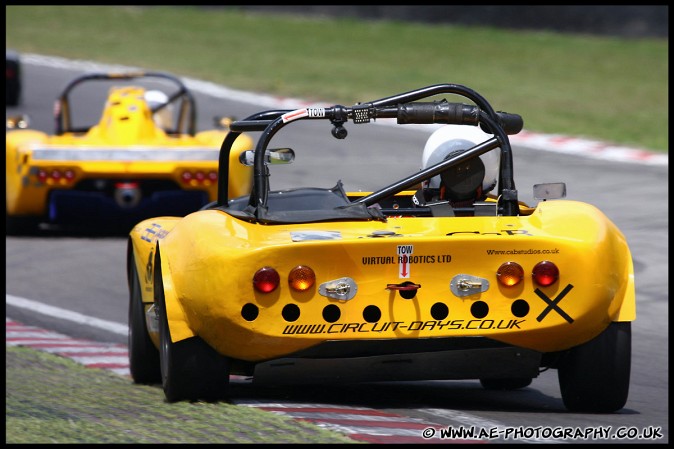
(443, 274)
(141, 156)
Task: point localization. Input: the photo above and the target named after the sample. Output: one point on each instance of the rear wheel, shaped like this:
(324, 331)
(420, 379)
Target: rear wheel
(595, 376)
(190, 368)
(21, 225)
(143, 355)
(505, 384)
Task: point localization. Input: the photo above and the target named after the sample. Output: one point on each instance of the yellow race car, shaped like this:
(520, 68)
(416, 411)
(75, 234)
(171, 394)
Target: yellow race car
(444, 274)
(142, 156)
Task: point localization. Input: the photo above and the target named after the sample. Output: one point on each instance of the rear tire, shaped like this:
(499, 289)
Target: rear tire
(143, 355)
(190, 368)
(505, 384)
(595, 376)
(21, 225)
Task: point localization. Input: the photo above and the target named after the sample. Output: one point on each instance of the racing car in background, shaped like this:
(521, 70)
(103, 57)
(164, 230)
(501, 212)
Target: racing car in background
(443, 274)
(141, 156)
(12, 78)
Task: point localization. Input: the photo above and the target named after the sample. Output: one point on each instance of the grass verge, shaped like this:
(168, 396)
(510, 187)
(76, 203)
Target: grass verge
(51, 399)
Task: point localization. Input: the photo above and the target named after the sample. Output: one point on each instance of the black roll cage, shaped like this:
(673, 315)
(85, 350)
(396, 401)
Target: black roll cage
(407, 109)
(187, 118)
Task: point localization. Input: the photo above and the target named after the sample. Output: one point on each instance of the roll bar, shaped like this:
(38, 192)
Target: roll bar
(407, 110)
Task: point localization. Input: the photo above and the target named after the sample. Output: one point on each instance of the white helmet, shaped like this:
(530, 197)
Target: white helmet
(164, 116)
(463, 180)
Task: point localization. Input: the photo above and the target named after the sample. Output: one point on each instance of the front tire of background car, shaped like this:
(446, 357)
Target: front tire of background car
(595, 376)
(514, 383)
(143, 355)
(190, 368)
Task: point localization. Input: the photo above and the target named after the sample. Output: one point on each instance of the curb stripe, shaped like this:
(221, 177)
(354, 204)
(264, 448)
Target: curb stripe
(358, 423)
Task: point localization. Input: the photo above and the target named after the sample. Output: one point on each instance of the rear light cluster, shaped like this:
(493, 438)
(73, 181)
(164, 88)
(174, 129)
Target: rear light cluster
(199, 177)
(544, 273)
(54, 176)
(300, 278)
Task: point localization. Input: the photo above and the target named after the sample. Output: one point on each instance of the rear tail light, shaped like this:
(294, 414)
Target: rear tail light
(545, 273)
(53, 176)
(510, 274)
(199, 177)
(301, 278)
(266, 279)
(42, 175)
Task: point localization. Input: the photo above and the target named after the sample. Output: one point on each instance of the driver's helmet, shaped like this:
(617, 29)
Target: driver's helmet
(469, 181)
(164, 116)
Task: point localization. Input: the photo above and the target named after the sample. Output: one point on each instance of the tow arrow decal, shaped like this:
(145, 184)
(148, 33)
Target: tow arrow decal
(404, 266)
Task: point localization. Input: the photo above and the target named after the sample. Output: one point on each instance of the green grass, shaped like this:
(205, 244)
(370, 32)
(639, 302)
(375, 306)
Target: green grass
(612, 89)
(51, 399)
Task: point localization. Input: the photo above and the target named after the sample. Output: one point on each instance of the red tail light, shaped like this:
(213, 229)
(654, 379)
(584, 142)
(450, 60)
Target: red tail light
(53, 176)
(545, 273)
(510, 274)
(266, 279)
(42, 175)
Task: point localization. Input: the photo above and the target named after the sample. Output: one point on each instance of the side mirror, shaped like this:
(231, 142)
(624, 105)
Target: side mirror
(550, 191)
(274, 156)
(17, 122)
(223, 122)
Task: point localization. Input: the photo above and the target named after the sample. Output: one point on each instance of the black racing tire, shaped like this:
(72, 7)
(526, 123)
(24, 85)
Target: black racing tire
(21, 225)
(514, 383)
(143, 354)
(190, 369)
(595, 376)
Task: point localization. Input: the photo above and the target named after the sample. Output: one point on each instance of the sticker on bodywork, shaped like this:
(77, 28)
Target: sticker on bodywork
(303, 236)
(404, 251)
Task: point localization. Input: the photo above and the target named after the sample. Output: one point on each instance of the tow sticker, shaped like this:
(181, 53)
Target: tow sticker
(301, 113)
(404, 251)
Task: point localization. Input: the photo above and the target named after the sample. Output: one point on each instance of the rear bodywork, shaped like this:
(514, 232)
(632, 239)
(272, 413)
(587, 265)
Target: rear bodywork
(595, 286)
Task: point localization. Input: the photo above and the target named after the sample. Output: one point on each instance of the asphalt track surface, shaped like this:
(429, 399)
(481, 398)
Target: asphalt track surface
(73, 287)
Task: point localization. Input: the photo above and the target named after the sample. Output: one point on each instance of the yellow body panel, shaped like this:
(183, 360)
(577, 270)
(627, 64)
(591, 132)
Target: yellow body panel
(125, 144)
(209, 259)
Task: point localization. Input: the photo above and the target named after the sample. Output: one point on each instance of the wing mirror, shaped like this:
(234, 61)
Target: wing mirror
(550, 191)
(274, 156)
(17, 122)
(223, 122)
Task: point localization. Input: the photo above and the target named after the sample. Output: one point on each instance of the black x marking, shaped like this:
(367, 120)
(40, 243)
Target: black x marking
(552, 304)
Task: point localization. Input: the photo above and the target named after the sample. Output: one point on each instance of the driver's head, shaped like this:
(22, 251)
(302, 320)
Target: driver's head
(164, 116)
(470, 180)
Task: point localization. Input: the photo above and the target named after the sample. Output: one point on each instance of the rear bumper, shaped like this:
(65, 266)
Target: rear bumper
(401, 360)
